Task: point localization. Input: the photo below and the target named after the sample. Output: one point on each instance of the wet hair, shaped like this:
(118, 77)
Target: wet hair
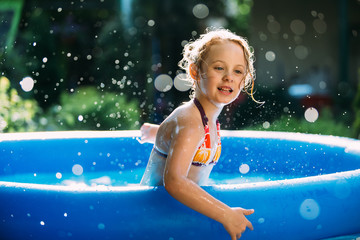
(195, 51)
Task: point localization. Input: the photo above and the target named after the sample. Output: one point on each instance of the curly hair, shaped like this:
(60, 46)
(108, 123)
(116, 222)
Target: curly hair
(195, 51)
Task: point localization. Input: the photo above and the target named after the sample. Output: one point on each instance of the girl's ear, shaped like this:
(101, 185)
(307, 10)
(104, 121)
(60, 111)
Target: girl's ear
(194, 73)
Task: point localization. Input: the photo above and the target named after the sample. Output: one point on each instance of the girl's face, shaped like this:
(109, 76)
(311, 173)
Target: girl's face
(223, 72)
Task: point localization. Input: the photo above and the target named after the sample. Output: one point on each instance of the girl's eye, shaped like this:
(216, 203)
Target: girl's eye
(238, 72)
(219, 68)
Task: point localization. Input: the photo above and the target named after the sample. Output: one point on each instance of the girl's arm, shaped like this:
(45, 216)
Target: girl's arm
(148, 132)
(183, 146)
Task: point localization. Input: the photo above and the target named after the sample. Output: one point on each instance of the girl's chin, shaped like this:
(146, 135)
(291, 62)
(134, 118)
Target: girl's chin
(223, 102)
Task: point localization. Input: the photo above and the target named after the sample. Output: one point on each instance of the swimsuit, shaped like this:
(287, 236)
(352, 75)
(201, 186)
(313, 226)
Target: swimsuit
(202, 156)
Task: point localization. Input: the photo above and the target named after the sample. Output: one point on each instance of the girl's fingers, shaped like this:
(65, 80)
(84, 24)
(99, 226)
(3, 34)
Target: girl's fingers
(250, 226)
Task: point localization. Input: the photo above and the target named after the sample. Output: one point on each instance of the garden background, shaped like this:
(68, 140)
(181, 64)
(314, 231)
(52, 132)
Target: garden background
(112, 64)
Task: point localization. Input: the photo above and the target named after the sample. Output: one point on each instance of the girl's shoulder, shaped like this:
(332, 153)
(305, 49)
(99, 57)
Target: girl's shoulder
(186, 114)
(185, 117)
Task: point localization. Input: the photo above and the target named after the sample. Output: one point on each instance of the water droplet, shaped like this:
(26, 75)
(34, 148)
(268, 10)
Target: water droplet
(320, 26)
(182, 83)
(261, 220)
(58, 175)
(45, 60)
(77, 169)
(27, 84)
(244, 168)
(270, 56)
(266, 125)
(298, 27)
(101, 226)
(200, 11)
(311, 114)
(163, 83)
(309, 209)
(322, 85)
(273, 26)
(301, 52)
(151, 23)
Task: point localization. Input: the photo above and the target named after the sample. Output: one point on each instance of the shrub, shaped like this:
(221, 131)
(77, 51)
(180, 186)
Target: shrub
(324, 125)
(90, 108)
(16, 113)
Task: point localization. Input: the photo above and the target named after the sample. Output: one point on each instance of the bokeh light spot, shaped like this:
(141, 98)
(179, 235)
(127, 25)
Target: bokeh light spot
(151, 23)
(274, 27)
(301, 52)
(261, 220)
(101, 226)
(77, 169)
(311, 114)
(182, 83)
(200, 11)
(163, 83)
(27, 84)
(244, 168)
(266, 125)
(298, 27)
(270, 56)
(309, 209)
(58, 175)
(320, 26)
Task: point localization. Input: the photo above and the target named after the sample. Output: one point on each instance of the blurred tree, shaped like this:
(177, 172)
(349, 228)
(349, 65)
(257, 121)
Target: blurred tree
(16, 114)
(325, 125)
(66, 45)
(91, 108)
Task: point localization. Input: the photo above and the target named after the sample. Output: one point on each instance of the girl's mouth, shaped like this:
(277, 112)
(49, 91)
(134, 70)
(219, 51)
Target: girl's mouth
(225, 89)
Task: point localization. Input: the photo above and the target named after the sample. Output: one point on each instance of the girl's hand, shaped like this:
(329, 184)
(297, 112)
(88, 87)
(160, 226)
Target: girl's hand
(235, 222)
(148, 133)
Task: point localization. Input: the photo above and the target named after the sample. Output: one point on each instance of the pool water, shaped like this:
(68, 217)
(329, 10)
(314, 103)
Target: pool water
(108, 178)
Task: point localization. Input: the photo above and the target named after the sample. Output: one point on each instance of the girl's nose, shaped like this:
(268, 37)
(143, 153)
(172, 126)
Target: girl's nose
(228, 77)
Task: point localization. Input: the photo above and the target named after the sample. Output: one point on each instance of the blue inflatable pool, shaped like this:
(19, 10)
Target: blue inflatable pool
(85, 185)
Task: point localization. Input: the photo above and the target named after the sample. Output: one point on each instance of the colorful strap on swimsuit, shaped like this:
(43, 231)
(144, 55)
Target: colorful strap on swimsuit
(202, 156)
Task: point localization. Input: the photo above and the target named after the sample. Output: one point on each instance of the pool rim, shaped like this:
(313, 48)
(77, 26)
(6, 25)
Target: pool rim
(349, 145)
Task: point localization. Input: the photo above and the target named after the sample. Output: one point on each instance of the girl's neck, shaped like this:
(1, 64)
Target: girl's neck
(212, 111)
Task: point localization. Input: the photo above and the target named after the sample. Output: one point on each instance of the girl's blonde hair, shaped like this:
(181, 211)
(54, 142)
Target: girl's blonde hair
(195, 51)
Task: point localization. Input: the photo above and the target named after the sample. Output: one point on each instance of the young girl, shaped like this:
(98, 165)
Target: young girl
(187, 143)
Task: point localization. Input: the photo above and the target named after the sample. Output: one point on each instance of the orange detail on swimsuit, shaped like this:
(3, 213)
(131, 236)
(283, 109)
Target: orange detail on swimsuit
(202, 156)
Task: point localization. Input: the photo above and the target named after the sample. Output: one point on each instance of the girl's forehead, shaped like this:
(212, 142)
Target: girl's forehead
(226, 49)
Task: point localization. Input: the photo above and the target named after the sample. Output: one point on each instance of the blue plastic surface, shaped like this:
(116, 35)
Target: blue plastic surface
(84, 185)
